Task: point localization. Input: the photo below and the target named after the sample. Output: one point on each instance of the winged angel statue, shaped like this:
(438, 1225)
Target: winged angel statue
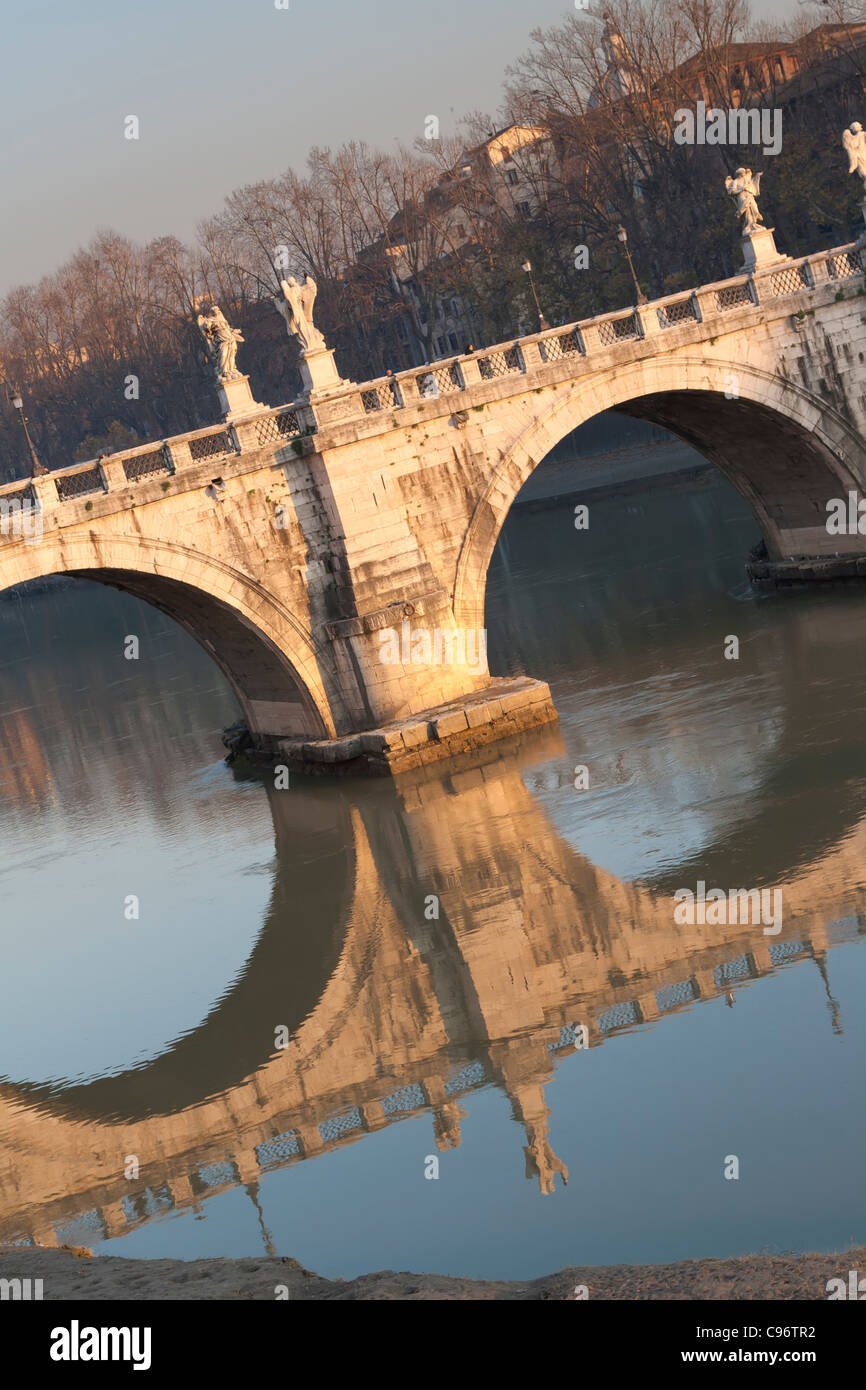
(221, 341)
(854, 142)
(296, 306)
(746, 187)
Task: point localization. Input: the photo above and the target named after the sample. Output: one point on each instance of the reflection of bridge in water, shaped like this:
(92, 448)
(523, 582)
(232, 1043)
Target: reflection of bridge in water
(532, 940)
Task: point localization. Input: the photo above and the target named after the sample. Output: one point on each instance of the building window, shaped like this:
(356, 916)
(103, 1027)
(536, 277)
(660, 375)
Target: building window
(524, 208)
(513, 176)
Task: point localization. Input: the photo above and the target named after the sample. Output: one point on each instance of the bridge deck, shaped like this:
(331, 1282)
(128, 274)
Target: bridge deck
(790, 285)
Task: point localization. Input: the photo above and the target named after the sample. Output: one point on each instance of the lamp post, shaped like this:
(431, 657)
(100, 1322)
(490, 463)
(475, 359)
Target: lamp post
(39, 470)
(542, 321)
(622, 235)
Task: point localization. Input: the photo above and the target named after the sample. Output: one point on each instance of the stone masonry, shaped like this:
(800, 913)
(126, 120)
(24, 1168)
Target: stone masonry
(297, 543)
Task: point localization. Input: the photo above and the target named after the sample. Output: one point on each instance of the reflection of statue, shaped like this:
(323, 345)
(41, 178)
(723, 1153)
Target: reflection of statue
(745, 187)
(221, 341)
(526, 1094)
(542, 1163)
(854, 142)
(296, 306)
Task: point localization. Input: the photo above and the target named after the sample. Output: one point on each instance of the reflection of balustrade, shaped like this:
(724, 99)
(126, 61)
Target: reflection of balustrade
(214, 1177)
(341, 1097)
(527, 1070)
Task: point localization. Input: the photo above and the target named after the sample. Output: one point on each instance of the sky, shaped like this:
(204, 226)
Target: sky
(226, 92)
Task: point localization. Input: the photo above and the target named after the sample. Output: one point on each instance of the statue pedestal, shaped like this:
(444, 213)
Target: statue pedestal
(759, 249)
(319, 371)
(236, 398)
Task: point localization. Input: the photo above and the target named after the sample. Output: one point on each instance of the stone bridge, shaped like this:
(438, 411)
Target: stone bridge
(400, 1016)
(332, 554)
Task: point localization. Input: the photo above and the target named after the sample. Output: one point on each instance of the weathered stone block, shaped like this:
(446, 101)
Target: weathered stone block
(478, 715)
(415, 734)
(518, 699)
(343, 750)
(448, 724)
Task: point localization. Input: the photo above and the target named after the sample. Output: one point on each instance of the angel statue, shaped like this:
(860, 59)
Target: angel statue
(221, 341)
(746, 187)
(854, 141)
(296, 306)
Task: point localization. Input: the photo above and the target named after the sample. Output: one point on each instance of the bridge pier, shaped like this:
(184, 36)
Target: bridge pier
(815, 569)
(501, 709)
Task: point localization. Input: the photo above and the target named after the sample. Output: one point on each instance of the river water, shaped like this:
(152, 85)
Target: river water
(371, 1026)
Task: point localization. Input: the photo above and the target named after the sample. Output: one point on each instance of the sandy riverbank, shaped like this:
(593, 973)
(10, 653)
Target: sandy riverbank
(70, 1276)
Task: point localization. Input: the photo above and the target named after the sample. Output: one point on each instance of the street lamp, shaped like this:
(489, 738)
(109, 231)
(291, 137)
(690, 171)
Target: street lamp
(542, 321)
(18, 402)
(622, 235)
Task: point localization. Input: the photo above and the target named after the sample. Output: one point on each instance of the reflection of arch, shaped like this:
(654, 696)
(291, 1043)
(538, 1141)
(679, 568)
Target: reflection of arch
(812, 799)
(508, 916)
(786, 451)
(263, 650)
(282, 982)
(803, 798)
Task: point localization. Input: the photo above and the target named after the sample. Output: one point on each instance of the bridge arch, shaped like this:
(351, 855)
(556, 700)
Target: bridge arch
(268, 657)
(784, 449)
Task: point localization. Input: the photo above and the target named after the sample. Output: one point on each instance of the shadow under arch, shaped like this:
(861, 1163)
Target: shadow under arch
(784, 449)
(265, 653)
(282, 983)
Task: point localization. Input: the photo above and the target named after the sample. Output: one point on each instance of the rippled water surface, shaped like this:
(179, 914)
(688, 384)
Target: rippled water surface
(168, 923)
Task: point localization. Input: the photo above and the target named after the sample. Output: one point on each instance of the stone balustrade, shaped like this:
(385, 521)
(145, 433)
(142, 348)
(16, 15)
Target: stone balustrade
(447, 380)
